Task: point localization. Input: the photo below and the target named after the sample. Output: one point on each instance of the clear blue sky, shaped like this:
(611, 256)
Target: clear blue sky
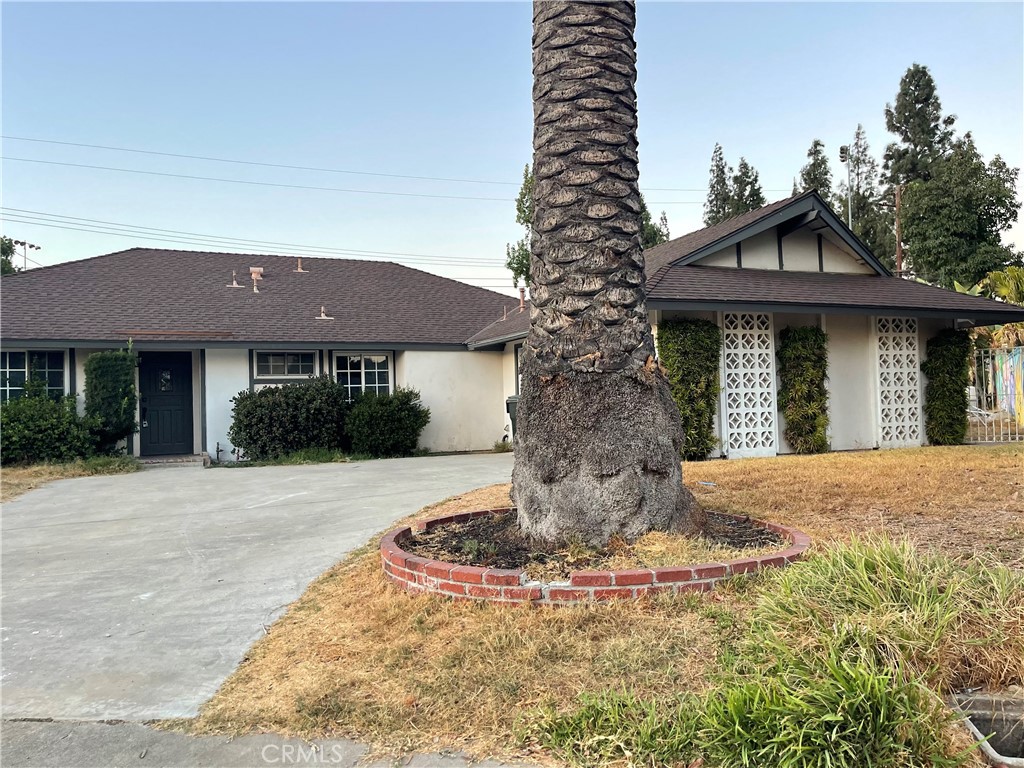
(433, 89)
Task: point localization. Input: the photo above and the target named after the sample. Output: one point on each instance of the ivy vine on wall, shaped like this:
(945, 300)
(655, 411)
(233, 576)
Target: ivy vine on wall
(945, 395)
(690, 349)
(803, 396)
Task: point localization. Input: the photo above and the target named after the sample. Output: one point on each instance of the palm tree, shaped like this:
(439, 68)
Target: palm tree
(599, 436)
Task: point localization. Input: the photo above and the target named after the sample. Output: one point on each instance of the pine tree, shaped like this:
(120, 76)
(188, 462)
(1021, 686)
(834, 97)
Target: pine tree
(873, 220)
(746, 194)
(718, 206)
(923, 134)
(652, 232)
(817, 174)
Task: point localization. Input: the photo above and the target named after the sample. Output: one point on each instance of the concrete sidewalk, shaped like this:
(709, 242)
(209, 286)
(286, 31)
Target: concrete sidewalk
(133, 597)
(90, 745)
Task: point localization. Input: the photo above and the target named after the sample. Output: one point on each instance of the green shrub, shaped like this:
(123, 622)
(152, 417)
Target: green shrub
(110, 396)
(275, 421)
(387, 425)
(945, 395)
(803, 397)
(39, 428)
(690, 350)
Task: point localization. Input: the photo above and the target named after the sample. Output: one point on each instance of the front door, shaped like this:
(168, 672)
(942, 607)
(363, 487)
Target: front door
(165, 400)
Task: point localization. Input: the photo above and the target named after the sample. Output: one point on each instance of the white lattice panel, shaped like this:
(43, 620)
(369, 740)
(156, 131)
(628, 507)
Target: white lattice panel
(749, 385)
(899, 384)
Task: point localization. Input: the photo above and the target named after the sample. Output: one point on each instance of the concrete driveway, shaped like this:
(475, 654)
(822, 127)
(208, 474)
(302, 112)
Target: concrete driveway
(133, 597)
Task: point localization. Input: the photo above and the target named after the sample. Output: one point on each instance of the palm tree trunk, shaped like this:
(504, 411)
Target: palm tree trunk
(598, 435)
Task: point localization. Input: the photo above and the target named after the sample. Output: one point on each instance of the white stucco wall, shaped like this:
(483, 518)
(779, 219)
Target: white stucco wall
(227, 374)
(463, 392)
(853, 390)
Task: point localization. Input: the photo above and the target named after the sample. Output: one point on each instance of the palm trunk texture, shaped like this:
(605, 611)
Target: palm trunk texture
(598, 435)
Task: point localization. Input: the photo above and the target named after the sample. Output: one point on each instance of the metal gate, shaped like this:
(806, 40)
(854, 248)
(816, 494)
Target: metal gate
(995, 408)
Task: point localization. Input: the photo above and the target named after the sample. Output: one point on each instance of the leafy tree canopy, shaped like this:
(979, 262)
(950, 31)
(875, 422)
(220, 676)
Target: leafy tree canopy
(952, 222)
(7, 256)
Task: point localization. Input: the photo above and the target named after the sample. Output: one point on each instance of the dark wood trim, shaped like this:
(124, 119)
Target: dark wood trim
(72, 373)
(252, 370)
(739, 255)
(821, 256)
(202, 399)
(778, 238)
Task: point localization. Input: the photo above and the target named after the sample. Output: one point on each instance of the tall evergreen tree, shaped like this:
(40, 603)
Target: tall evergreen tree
(817, 174)
(873, 220)
(952, 221)
(652, 232)
(718, 206)
(746, 194)
(923, 134)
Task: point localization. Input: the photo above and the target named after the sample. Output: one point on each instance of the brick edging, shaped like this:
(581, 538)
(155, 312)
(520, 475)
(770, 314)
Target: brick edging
(467, 582)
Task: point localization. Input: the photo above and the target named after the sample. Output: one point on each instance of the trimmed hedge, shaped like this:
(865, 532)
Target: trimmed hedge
(388, 425)
(275, 421)
(37, 427)
(945, 395)
(803, 396)
(690, 350)
(110, 396)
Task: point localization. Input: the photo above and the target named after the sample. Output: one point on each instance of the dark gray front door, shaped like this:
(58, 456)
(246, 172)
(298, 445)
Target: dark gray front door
(165, 399)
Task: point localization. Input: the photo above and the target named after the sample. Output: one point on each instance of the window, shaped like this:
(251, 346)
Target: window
(364, 373)
(17, 367)
(285, 363)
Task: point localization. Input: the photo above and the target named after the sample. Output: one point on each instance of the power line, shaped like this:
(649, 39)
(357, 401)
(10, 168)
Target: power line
(315, 169)
(248, 248)
(255, 183)
(61, 219)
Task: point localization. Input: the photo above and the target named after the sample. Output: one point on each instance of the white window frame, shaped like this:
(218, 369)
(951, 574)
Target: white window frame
(65, 380)
(365, 353)
(291, 376)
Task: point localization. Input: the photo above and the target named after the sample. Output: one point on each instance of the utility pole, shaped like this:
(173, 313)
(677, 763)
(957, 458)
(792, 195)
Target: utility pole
(899, 234)
(844, 157)
(25, 246)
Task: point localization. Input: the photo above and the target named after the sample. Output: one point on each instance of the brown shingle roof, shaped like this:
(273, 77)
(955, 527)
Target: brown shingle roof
(182, 295)
(511, 326)
(698, 285)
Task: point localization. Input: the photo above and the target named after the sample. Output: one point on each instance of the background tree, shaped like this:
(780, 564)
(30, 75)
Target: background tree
(517, 254)
(599, 438)
(718, 206)
(817, 174)
(7, 256)
(873, 217)
(952, 221)
(923, 134)
(746, 194)
(652, 232)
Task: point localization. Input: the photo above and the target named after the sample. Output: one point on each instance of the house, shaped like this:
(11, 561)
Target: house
(208, 325)
(794, 263)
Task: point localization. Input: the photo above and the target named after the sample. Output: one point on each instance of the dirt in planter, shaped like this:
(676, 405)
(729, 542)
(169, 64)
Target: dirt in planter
(495, 541)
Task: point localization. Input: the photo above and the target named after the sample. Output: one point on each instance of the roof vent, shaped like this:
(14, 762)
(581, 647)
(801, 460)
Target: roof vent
(323, 314)
(234, 280)
(255, 277)
(256, 273)
(299, 268)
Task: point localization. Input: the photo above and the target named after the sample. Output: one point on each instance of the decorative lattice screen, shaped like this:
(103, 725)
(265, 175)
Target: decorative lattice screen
(750, 410)
(899, 382)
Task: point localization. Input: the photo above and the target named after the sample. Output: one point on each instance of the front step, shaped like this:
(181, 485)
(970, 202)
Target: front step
(200, 460)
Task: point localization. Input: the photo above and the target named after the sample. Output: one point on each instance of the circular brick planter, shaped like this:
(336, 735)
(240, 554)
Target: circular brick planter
(497, 585)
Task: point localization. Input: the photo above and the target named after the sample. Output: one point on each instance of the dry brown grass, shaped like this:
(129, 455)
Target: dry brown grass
(15, 481)
(962, 500)
(355, 656)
